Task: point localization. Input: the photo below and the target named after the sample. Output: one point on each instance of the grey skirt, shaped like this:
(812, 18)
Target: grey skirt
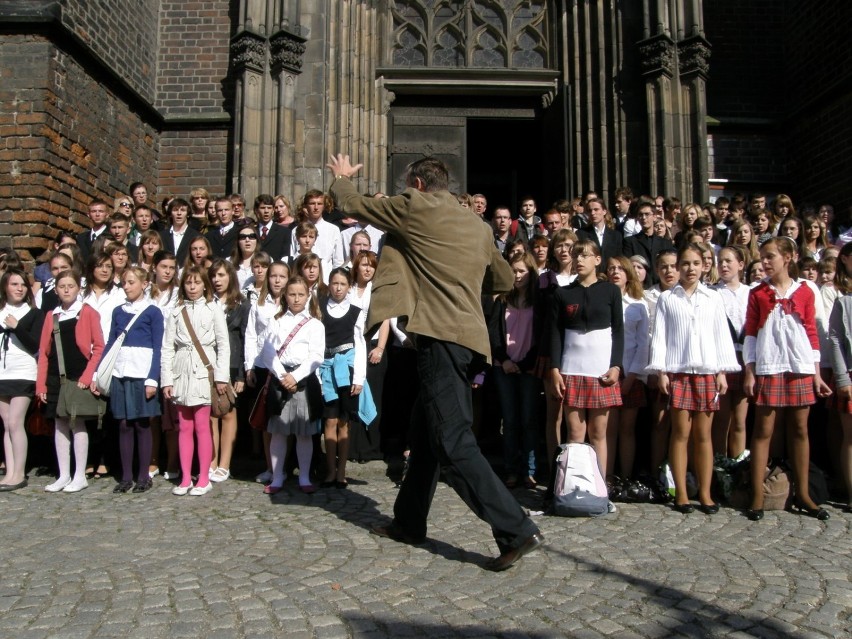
(295, 417)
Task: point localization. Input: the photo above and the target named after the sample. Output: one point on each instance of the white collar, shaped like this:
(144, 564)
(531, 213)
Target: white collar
(136, 307)
(677, 289)
(73, 310)
(224, 229)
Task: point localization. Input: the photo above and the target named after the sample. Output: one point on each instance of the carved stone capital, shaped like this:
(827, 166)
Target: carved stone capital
(248, 51)
(694, 56)
(657, 55)
(286, 50)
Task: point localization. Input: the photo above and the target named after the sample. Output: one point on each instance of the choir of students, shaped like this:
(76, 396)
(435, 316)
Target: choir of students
(650, 348)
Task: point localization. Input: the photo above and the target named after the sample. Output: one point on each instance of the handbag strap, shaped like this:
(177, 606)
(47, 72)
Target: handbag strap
(60, 356)
(197, 345)
(121, 336)
(292, 334)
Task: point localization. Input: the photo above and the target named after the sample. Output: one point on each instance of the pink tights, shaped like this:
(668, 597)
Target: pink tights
(194, 421)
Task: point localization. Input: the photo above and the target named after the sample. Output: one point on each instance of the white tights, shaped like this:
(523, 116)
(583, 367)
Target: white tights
(62, 440)
(278, 452)
(13, 411)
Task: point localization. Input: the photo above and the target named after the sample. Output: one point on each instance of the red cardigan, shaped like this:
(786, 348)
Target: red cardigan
(762, 300)
(89, 338)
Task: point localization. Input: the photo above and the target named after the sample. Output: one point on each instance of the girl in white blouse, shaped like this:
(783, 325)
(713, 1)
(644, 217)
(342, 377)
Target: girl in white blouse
(691, 349)
(293, 349)
(263, 309)
(729, 423)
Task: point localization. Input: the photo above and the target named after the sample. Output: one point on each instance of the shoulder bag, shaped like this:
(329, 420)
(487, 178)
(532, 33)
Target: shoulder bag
(103, 376)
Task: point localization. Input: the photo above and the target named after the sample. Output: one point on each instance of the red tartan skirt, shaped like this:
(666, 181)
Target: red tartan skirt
(635, 397)
(784, 390)
(693, 392)
(588, 392)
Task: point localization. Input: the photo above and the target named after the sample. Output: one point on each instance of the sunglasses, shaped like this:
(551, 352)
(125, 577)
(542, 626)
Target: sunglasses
(127, 204)
(249, 236)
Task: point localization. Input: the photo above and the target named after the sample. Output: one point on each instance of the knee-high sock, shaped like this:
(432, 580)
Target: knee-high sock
(81, 451)
(143, 448)
(62, 440)
(186, 442)
(304, 452)
(204, 437)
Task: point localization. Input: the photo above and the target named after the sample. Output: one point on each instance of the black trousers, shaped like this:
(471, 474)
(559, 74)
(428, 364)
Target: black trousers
(441, 439)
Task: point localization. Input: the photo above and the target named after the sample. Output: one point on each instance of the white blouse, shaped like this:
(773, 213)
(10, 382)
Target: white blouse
(635, 357)
(735, 302)
(17, 363)
(691, 334)
(303, 354)
(258, 320)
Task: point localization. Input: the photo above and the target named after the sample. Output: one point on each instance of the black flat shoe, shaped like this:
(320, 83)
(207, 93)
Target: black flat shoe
(817, 513)
(683, 509)
(143, 486)
(6, 488)
(122, 487)
(340, 485)
(709, 509)
(754, 515)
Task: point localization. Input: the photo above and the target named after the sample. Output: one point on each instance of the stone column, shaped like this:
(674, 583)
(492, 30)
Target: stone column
(675, 61)
(266, 54)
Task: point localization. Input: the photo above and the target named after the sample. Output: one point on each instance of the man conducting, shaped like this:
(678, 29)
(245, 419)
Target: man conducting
(432, 270)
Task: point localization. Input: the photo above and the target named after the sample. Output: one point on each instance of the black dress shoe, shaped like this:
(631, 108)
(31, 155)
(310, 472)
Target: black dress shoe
(5, 488)
(817, 513)
(709, 509)
(143, 486)
(683, 509)
(511, 556)
(393, 532)
(754, 515)
(123, 487)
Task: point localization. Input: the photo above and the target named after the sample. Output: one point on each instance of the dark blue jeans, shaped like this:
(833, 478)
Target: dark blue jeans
(519, 399)
(441, 439)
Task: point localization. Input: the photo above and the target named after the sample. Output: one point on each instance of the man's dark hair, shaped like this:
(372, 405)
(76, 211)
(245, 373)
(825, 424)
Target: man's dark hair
(263, 198)
(136, 185)
(432, 173)
(177, 202)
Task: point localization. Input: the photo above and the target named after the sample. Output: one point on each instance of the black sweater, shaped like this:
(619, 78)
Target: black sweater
(586, 308)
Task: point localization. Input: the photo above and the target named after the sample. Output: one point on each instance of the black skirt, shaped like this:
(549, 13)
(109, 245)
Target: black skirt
(17, 388)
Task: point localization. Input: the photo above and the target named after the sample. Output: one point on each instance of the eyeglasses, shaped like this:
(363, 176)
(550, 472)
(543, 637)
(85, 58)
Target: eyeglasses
(248, 236)
(127, 204)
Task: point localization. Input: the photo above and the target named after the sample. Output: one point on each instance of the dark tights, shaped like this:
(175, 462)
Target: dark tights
(140, 430)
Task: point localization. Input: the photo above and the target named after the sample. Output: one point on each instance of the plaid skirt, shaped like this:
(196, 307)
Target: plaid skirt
(784, 390)
(589, 392)
(635, 397)
(693, 392)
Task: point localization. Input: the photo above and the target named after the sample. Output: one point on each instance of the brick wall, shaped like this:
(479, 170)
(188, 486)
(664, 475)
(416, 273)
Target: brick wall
(190, 159)
(193, 57)
(123, 33)
(66, 139)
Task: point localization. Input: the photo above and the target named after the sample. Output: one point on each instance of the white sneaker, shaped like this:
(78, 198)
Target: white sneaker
(58, 485)
(220, 474)
(76, 486)
(201, 490)
(180, 491)
(264, 478)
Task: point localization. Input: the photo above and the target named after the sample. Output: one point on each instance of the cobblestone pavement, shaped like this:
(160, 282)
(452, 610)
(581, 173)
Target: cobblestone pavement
(236, 563)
